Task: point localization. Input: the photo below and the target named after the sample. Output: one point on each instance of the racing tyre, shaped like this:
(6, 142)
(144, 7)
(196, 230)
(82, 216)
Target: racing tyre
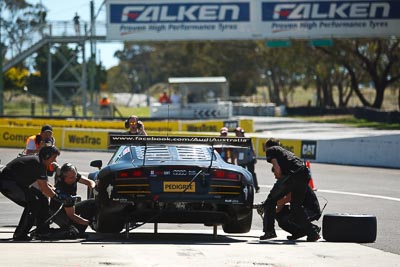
(360, 228)
(244, 225)
(239, 227)
(109, 224)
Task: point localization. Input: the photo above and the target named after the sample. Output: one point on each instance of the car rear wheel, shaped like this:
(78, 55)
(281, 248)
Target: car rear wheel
(243, 225)
(239, 226)
(107, 223)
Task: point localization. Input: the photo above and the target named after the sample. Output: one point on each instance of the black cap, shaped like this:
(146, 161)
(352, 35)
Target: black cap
(47, 128)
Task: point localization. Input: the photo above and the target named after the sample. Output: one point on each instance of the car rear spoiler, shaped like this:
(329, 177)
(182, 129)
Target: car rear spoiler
(124, 139)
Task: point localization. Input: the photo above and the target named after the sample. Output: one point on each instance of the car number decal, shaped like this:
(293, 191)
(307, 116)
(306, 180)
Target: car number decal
(179, 187)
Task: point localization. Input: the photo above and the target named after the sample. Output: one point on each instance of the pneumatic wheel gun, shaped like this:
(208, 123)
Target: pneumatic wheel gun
(260, 209)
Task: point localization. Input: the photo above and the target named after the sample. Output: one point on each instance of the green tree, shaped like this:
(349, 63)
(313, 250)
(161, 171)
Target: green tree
(371, 60)
(19, 20)
(15, 80)
(345, 67)
(155, 62)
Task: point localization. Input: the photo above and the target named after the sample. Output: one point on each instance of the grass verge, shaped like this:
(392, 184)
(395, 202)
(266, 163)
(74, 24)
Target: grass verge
(350, 120)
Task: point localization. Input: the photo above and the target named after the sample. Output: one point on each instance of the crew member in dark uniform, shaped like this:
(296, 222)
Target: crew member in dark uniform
(292, 176)
(311, 208)
(135, 126)
(24, 181)
(74, 218)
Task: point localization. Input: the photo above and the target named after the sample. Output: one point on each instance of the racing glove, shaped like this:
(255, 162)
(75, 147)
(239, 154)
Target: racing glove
(260, 208)
(64, 199)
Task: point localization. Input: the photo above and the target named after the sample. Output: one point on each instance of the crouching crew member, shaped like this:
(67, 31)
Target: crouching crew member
(311, 208)
(35, 142)
(75, 217)
(292, 176)
(24, 181)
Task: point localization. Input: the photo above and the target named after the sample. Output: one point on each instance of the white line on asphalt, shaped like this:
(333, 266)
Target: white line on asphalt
(351, 193)
(359, 194)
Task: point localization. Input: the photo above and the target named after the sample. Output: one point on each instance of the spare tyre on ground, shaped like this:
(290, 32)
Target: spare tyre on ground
(359, 228)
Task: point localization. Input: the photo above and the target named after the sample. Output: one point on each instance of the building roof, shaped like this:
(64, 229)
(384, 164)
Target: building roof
(219, 79)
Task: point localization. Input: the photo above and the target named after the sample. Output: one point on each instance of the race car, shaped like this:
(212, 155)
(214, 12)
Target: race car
(164, 179)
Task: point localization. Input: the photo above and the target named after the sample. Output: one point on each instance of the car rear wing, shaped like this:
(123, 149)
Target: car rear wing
(124, 139)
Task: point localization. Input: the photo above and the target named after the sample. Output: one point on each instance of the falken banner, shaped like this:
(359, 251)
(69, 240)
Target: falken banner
(159, 20)
(156, 20)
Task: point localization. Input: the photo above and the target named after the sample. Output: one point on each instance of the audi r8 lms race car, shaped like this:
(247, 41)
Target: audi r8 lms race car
(153, 179)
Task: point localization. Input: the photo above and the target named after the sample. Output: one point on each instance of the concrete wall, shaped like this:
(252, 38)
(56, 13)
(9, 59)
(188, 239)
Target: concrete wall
(377, 151)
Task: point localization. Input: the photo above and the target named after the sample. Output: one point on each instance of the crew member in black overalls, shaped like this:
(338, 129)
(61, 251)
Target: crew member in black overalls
(24, 181)
(311, 208)
(74, 217)
(292, 176)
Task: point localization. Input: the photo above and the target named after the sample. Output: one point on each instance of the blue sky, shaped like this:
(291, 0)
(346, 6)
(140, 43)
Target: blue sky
(65, 10)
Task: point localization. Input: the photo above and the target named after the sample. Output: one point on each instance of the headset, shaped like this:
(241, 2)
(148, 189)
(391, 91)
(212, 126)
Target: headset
(127, 123)
(46, 152)
(239, 129)
(66, 167)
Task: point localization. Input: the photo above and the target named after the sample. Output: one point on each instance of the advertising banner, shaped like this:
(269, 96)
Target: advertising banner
(160, 20)
(309, 149)
(17, 136)
(89, 139)
(155, 20)
(330, 19)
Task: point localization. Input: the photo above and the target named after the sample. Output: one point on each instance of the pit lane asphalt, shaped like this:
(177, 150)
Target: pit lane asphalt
(185, 248)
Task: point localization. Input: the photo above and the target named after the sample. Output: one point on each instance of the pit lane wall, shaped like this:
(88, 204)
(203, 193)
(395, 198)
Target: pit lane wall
(373, 151)
(376, 151)
(93, 135)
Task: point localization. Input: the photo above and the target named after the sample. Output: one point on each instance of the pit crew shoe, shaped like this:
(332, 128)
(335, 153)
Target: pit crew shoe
(298, 235)
(314, 237)
(295, 236)
(268, 235)
(22, 238)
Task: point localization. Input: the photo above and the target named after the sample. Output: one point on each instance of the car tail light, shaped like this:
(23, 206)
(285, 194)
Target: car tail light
(130, 174)
(219, 174)
(137, 173)
(123, 174)
(226, 175)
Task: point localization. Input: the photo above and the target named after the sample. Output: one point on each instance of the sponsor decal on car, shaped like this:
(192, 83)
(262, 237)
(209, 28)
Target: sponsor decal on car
(179, 187)
(179, 172)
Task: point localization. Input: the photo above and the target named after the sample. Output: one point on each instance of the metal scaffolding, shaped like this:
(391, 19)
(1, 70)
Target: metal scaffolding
(64, 32)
